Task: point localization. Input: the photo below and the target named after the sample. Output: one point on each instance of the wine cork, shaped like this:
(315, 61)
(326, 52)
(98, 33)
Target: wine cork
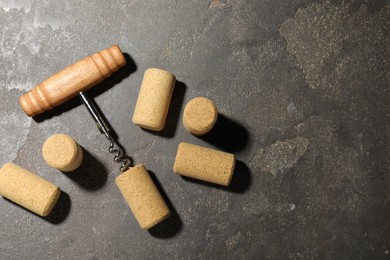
(60, 151)
(200, 115)
(153, 99)
(28, 190)
(143, 197)
(204, 164)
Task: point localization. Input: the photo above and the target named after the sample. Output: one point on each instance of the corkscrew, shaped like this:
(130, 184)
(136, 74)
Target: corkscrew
(120, 155)
(73, 81)
(135, 184)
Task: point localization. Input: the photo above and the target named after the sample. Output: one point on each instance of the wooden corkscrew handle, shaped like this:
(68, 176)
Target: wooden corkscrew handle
(67, 83)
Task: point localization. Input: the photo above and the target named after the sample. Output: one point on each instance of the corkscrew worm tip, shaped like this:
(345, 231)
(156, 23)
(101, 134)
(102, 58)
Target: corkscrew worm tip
(120, 155)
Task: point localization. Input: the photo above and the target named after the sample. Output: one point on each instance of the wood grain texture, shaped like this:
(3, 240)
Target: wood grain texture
(67, 83)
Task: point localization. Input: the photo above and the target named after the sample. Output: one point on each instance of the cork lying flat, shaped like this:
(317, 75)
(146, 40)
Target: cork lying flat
(28, 190)
(204, 164)
(200, 115)
(153, 99)
(60, 151)
(143, 197)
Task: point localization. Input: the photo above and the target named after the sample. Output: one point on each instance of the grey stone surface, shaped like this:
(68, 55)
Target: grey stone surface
(303, 92)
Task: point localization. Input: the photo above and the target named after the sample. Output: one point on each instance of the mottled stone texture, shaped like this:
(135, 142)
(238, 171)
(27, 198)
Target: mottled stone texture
(302, 88)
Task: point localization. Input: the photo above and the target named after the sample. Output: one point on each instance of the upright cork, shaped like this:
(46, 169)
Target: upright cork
(154, 98)
(200, 115)
(67, 83)
(204, 164)
(144, 199)
(61, 151)
(28, 190)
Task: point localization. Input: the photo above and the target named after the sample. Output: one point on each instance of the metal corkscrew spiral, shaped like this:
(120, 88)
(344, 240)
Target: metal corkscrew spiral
(120, 156)
(115, 147)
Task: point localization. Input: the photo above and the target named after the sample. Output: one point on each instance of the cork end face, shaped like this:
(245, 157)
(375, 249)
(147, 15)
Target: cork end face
(5, 166)
(126, 176)
(155, 72)
(157, 221)
(53, 201)
(177, 162)
(146, 124)
(77, 160)
(230, 170)
(60, 151)
(200, 116)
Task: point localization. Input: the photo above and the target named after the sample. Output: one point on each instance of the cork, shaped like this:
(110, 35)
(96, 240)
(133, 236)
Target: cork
(27, 189)
(60, 151)
(153, 100)
(204, 164)
(143, 197)
(200, 115)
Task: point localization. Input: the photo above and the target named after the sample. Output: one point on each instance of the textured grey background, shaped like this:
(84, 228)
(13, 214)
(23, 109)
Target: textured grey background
(303, 92)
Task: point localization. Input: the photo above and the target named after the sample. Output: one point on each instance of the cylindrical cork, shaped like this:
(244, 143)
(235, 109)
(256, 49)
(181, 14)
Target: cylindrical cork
(28, 190)
(154, 98)
(60, 151)
(67, 83)
(204, 164)
(200, 115)
(143, 197)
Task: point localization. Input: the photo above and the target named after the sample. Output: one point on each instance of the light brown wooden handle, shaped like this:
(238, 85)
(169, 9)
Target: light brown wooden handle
(67, 83)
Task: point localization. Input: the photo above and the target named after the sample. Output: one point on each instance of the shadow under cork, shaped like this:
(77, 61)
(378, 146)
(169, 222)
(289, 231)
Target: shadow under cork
(173, 115)
(170, 226)
(241, 179)
(227, 135)
(129, 68)
(91, 174)
(58, 214)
